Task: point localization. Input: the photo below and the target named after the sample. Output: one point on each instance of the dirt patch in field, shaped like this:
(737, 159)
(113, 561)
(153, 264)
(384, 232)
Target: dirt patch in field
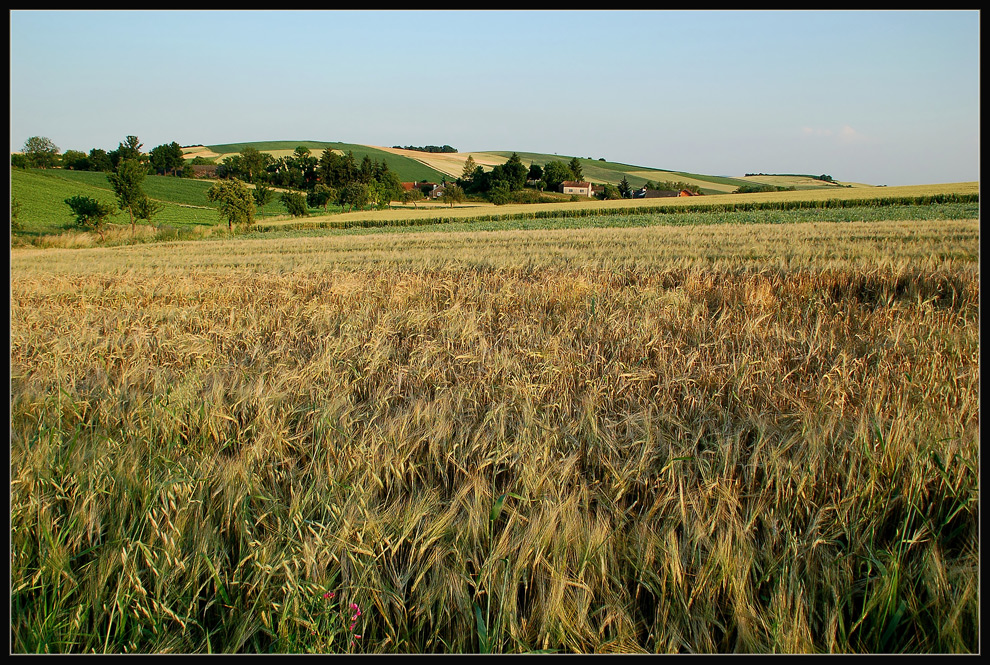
(450, 163)
(193, 151)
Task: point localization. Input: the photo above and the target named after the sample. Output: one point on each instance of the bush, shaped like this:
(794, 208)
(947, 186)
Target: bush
(90, 213)
(295, 204)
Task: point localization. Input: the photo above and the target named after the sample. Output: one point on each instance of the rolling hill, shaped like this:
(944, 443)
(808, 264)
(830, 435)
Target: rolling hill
(413, 165)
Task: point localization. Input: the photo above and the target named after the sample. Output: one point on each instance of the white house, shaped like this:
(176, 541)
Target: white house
(576, 187)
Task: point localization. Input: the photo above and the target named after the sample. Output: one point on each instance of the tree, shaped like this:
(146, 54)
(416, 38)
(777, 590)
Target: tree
(610, 191)
(74, 160)
(366, 171)
(126, 183)
(90, 213)
(167, 158)
(452, 194)
(512, 172)
(535, 172)
(355, 194)
(129, 149)
(236, 204)
(295, 203)
(390, 185)
(40, 152)
(321, 196)
(555, 173)
(469, 167)
(412, 196)
(625, 189)
(575, 166)
(99, 160)
(499, 194)
(146, 208)
(254, 163)
(262, 196)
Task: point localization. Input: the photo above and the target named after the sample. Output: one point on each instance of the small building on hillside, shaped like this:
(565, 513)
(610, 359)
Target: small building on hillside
(576, 187)
(431, 190)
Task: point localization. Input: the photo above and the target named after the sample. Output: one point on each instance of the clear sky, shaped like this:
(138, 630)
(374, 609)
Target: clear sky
(879, 97)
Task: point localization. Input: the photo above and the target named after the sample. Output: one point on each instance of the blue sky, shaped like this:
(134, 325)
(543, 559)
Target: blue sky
(880, 97)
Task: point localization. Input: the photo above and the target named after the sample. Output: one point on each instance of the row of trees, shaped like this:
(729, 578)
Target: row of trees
(331, 178)
(427, 148)
(40, 152)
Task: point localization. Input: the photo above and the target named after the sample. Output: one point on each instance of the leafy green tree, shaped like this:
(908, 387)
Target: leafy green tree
(610, 191)
(535, 172)
(126, 183)
(469, 167)
(355, 195)
(413, 196)
(18, 161)
(130, 149)
(452, 194)
(262, 195)
(74, 160)
(254, 163)
(499, 194)
(41, 152)
(146, 208)
(512, 172)
(575, 166)
(99, 160)
(390, 185)
(236, 204)
(90, 213)
(167, 158)
(321, 196)
(295, 204)
(555, 173)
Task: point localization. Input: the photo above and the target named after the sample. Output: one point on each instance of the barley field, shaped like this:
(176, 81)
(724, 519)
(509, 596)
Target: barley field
(720, 438)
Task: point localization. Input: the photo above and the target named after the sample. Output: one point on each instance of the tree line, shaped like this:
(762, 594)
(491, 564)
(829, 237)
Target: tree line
(317, 182)
(40, 152)
(427, 148)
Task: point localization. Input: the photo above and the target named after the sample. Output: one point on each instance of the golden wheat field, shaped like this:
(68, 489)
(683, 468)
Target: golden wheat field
(703, 439)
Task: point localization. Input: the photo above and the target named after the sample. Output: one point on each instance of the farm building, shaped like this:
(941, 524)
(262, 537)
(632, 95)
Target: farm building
(576, 187)
(430, 189)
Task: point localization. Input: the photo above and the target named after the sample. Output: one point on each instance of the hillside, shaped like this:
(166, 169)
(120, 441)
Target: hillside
(413, 165)
(407, 169)
(602, 171)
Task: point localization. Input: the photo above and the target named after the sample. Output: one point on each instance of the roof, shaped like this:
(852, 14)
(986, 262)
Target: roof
(575, 183)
